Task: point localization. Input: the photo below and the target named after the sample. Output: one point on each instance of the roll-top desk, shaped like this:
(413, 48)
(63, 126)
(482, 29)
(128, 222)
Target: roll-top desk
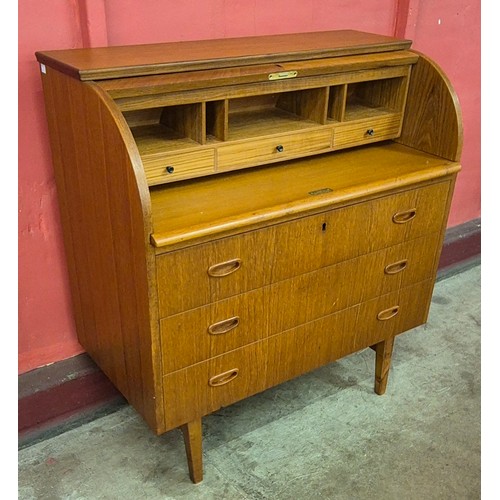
(238, 212)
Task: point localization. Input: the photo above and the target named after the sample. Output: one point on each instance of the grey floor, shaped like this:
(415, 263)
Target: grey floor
(324, 435)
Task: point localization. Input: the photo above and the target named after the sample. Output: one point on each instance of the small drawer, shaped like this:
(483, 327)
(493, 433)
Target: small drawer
(205, 387)
(178, 166)
(197, 335)
(268, 150)
(367, 131)
(390, 314)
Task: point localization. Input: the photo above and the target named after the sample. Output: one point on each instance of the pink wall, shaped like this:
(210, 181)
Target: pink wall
(446, 30)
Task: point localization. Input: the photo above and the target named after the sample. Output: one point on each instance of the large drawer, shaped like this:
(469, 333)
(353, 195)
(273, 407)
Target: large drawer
(199, 334)
(278, 148)
(202, 274)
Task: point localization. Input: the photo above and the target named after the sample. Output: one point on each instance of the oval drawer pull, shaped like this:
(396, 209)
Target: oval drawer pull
(388, 313)
(223, 378)
(396, 267)
(403, 217)
(224, 268)
(224, 326)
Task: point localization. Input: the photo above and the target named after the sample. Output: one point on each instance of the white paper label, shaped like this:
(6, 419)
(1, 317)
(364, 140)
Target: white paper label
(43, 69)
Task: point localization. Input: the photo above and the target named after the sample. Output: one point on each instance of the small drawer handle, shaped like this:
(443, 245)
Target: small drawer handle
(223, 378)
(224, 326)
(370, 132)
(388, 313)
(224, 268)
(404, 217)
(170, 169)
(396, 267)
(280, 148)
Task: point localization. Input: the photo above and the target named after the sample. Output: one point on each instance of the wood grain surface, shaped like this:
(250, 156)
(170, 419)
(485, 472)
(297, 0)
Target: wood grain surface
(185, 211)
(133, 60)
(105, 211)
(175, 82)
(196, 284)
(433, 117)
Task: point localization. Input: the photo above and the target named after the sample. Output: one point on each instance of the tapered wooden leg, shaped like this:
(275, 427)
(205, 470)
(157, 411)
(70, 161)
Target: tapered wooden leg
(193, 443)
(383, 355)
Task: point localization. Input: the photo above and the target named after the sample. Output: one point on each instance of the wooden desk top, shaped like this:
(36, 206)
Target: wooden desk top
(149, 59)
(227, 202)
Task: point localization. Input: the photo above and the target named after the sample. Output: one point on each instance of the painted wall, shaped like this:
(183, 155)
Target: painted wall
(446, 30)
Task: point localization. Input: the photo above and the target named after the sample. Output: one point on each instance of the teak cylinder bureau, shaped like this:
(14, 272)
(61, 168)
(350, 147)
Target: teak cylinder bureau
(238, 212)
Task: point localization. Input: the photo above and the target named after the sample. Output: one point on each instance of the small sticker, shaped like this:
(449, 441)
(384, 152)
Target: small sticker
(43, 69)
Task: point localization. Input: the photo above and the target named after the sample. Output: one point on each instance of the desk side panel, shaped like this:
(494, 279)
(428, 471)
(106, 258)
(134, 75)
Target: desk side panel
(433, 118)
(105, 212)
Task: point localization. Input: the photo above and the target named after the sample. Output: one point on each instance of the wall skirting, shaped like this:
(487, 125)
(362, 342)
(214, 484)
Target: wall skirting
(58, 397)
(461, 249)
(64, 395)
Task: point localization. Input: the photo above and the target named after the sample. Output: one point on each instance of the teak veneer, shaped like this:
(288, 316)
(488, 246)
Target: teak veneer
(238, 212)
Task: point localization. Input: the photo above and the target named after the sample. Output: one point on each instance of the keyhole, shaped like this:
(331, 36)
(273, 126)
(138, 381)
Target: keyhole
(323, 226)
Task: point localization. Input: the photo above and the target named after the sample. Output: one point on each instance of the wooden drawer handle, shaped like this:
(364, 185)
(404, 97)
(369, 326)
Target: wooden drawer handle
(396, 267)
(388, 313)
(223, 378)
(224, 268)
(224, 326)
(404, 217)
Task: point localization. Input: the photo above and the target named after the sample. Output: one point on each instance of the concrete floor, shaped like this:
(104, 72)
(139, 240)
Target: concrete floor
(324, 435)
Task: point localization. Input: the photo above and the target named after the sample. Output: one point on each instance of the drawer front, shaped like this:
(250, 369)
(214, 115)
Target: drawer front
(204, 388)
(199, 275)
(367, 131)
(179, 166)
(257, 152)
(197, 335)
(393, 313)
